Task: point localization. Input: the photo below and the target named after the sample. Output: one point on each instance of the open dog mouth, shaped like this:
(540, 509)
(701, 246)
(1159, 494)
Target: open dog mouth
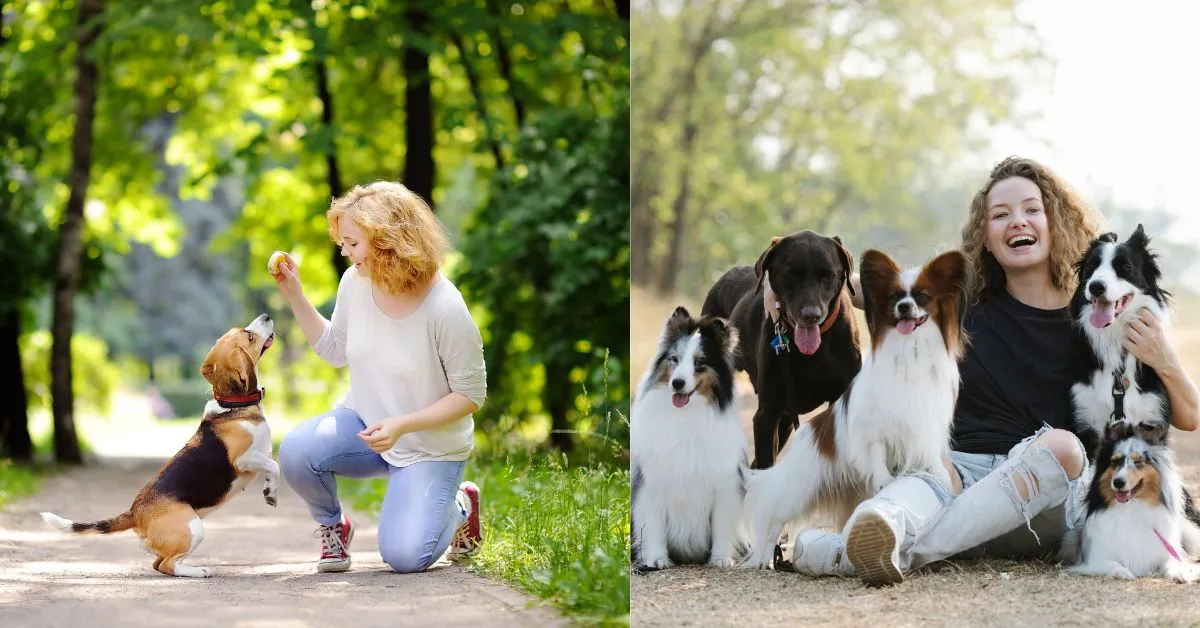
(907, 326)
(267, 345)
(1104, 312)
(681, 399)
(1123, 497)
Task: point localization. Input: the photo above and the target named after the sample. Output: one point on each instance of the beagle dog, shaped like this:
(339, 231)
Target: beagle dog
(229, 450)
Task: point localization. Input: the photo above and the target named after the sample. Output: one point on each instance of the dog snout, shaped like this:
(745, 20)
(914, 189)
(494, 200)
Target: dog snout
(904, 308)
(1119, 483)
(677, 384)
(810, 315)
(266, 317)
(1096, 288)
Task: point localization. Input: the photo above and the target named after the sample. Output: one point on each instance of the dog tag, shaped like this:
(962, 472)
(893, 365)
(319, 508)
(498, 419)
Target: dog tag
(780, 344)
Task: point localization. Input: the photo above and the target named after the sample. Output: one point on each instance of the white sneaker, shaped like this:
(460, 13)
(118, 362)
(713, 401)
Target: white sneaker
(821, 553)
(873, 548)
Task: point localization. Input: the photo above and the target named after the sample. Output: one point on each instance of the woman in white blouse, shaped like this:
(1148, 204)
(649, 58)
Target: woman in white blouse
(416, 375)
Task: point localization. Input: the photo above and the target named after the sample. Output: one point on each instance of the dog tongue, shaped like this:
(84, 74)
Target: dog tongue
(680, 399)
(1123, 496)
(808, 339)
(1102, 313)
(906, 326)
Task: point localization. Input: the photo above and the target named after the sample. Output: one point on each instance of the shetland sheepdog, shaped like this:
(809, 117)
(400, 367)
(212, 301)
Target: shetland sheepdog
(896, 415)
(1135, 524)
(688, 449)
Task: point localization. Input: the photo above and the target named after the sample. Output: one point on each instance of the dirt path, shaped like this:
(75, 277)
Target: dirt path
(264, 559)
(958, 593)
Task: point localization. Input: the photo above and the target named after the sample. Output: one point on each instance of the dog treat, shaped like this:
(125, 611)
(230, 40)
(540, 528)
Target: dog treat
(276, 258)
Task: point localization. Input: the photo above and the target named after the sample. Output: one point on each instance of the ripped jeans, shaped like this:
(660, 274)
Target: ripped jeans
(1054, 505)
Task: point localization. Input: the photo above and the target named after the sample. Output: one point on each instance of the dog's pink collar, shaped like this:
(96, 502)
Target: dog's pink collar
(1170, 549)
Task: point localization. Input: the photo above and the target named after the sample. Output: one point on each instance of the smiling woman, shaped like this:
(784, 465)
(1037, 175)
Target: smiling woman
(416, 376)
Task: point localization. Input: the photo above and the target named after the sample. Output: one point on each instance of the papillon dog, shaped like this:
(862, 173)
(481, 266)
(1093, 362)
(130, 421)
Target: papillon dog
(1135, 524)
(688, 449)
(896, 415)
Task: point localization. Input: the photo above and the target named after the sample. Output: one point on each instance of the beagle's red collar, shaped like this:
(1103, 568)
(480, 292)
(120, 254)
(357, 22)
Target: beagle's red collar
(241, 401)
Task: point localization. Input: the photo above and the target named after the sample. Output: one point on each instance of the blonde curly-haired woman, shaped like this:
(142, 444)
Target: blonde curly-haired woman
(416, 376)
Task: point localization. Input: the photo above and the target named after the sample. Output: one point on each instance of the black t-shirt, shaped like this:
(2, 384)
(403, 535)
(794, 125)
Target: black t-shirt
(1015, 374)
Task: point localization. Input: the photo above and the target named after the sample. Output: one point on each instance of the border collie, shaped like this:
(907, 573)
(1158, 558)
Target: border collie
(688, 449)
(1116, 280)
(1135, 523)
(895, 416)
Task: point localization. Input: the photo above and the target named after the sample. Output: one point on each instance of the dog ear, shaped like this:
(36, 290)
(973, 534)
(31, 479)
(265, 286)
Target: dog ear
(948, 270)
(677, 324)
(229, 370)
(1117, 430)
(1108, 237)
(1153, 432)
(725, 333)
(847, 263)
(876, 272)
(761, 265)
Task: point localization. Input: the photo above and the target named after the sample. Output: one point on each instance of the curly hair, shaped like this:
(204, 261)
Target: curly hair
(1072, 221)
(407, 240)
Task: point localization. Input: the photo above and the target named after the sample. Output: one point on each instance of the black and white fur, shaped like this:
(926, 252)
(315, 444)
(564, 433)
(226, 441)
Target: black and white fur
(688, 449)
(1122, 278)
(1120, 537)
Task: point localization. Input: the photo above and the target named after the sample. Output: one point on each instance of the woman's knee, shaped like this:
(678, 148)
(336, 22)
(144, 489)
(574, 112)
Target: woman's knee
(1066, 449)
(404, 557)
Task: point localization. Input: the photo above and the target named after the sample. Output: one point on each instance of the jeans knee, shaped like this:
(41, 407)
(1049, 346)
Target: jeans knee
(404, 558)
(1067, 450)
(294, 455)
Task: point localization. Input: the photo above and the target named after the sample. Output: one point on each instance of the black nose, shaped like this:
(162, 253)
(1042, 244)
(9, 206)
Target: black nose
(1118, 483)
(1096, 288)
(904, 308)
(810, 315)
(266, 318)
(677, 384)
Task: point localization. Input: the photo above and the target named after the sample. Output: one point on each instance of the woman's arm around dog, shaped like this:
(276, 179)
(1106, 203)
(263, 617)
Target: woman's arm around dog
(1144, 339)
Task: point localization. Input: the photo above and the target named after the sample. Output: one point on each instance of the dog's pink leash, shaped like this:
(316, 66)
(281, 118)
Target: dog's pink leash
(1170, 549)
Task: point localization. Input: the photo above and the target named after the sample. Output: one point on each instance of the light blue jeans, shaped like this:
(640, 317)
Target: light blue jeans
(420, 513)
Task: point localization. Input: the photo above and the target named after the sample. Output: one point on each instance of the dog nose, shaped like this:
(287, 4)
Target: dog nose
(904, 308)
(1118, 483)
(1096, 288)
(810, 315)
(266, 318)
(677, 384)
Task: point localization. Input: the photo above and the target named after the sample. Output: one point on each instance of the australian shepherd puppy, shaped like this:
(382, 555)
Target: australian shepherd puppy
(895, 416)
(1135, 524)
(1116, 279)
(688, 449)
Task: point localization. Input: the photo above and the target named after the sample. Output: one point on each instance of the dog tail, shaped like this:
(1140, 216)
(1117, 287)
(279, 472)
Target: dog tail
(119, 523)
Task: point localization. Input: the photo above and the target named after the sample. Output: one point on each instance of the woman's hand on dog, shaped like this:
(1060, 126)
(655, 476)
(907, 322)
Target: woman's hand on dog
(1144, 339)
(381, 436)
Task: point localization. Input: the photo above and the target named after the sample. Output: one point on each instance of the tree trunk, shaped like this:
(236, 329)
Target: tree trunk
(14, 412)
(556, 397)
(670, 270)
(481, 104)
(418, 107)
(332, 172)
(643, 229)
(70, 245)
(506, 70)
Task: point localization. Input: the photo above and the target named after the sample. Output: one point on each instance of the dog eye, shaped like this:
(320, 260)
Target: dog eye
(1139, 463)
(251, 335)
(673, 359)
(922, 299)
(700, 366)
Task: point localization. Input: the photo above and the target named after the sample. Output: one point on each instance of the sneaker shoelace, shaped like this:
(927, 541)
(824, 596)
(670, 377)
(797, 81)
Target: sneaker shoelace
(331, 541)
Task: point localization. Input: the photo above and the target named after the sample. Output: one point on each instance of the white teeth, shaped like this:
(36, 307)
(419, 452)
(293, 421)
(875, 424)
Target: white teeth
(1021, 239)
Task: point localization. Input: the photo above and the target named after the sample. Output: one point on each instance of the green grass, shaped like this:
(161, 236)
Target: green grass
(16, 481)
(560, 533)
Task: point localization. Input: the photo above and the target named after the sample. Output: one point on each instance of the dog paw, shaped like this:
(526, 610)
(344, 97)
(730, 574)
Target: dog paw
(269, 495)
(722, 561)
(654, 564)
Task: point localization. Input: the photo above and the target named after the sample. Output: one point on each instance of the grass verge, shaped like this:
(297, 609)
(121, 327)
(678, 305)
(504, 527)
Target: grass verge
(560, 533)
(16, 481)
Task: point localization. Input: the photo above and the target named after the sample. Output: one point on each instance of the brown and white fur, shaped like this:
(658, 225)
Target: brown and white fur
(229, 450)
(688, 449)
(1135, 524)
(894, 418)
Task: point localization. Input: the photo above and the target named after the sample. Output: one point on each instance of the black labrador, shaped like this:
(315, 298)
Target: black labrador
(798, 338)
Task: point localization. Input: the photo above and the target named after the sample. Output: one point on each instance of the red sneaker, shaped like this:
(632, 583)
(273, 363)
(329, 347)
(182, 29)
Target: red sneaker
(468, 535)
(335, 546)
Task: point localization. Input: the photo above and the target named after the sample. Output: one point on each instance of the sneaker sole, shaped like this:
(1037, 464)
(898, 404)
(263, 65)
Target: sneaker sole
(869, 547)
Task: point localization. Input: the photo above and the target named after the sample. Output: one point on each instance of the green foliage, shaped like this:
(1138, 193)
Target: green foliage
(548, 257)
(559, 532)
(94, 376)
(837, 117)
(16, 481)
